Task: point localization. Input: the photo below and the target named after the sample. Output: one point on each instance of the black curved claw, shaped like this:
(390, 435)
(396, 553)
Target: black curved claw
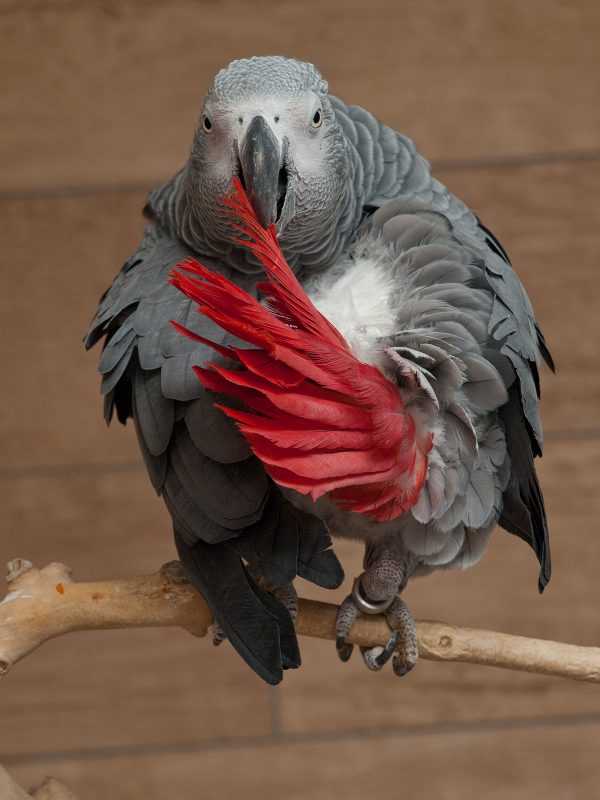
(344, 650)
(218, 635)
(387, 651)
(402, 667)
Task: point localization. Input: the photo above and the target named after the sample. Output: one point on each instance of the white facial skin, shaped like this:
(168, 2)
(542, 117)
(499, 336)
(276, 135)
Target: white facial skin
(296, 122)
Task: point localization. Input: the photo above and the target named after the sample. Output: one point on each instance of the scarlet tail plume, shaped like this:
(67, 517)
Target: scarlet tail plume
(320, 420)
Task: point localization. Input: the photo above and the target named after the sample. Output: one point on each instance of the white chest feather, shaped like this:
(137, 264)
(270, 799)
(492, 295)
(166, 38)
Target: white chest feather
(355, 297)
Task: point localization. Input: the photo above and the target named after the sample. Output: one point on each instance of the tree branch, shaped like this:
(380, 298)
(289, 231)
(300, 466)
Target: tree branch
(9, 790)
(49, 789)
(52, 789)
(42, 604)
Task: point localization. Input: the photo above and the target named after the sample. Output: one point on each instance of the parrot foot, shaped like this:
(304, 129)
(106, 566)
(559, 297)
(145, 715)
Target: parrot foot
(402, 644)
(346, 617)
(286, 595)
(218, 634)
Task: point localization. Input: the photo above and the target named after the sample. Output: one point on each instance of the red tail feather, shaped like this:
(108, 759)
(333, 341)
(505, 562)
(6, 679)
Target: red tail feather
(319, 419)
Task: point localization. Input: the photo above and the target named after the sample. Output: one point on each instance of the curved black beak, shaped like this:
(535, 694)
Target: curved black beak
(260, 159)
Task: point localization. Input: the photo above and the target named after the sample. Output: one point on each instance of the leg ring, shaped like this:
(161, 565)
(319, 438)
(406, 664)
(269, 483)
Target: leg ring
(366, 606)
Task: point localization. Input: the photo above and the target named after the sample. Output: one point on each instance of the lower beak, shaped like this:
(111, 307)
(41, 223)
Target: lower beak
(260, 158)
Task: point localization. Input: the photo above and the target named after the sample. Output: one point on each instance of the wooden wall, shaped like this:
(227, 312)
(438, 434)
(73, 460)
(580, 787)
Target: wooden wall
(99, 102)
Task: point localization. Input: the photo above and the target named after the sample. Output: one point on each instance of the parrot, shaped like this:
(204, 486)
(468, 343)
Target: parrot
(315, 337)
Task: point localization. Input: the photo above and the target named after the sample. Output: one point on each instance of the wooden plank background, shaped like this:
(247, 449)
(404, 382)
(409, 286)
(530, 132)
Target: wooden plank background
(99, 102)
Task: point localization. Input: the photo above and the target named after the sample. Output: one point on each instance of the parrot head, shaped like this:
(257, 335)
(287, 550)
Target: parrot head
(269, 122)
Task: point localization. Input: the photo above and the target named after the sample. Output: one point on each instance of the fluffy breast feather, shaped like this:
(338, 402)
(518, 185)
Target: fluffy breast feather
(355, 296)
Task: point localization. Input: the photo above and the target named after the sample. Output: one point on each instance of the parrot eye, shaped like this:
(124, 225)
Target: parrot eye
(206, 124)
(317, 119)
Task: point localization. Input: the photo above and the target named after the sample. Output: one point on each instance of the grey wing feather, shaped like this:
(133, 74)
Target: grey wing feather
(485, 389)
(232, 495)
(188, 518)
(229, 491)
(149, 351)
(177, 377)
(119, 347)
(154, 412)
(111, 379)
(215, 490)
(481, 465)
(213, 433)
(155, 465)
(407, 174)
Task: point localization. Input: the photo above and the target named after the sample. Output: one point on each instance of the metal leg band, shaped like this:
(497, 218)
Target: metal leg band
(366, 606)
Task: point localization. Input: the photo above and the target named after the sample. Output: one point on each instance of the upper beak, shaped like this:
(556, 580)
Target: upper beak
(261, 161)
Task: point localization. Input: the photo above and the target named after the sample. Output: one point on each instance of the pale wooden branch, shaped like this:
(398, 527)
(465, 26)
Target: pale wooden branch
(49, 789)
(42, 604)
(52, 789)
(9, 790)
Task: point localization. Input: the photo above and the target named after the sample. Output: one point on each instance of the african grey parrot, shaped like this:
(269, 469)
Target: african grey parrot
(420, 295)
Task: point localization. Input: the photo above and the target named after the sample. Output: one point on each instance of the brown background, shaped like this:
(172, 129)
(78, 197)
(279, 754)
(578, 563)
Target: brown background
(99, 102)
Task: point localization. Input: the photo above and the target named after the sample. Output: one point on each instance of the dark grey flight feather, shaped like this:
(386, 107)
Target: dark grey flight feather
(271, 544)
(523, 511)
(256, 624)
(232, 495)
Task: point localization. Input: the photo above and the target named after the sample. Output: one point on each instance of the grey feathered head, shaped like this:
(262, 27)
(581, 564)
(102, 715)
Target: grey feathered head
(270, 122)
